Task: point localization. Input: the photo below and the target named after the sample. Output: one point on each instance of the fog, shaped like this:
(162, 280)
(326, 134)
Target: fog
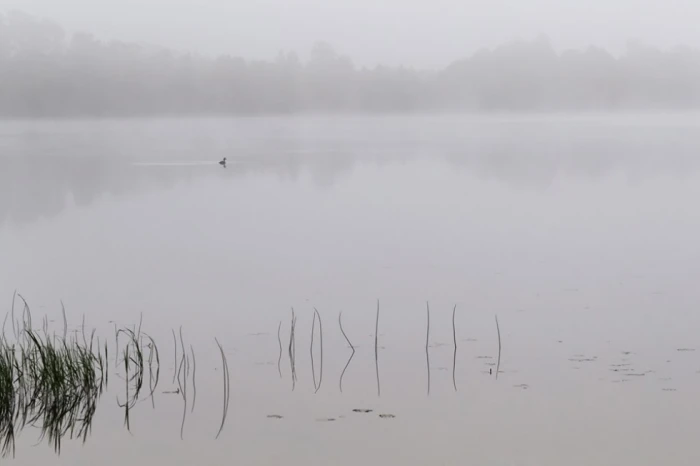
(425, 34)
(499, 199)
(46, 70)
(85, 161)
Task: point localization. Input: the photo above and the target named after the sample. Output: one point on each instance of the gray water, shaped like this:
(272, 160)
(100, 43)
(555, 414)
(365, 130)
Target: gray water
(580, 233)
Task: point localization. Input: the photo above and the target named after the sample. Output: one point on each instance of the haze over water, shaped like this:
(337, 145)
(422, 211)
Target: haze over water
(579, 232)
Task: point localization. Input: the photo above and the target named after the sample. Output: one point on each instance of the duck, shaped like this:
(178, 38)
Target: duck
(223, 162)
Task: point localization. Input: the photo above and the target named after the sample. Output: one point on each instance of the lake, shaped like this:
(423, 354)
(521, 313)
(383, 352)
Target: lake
(579, 232)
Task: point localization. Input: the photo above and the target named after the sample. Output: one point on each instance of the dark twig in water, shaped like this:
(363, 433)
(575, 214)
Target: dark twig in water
(181, 390)
(14, 327)
(116, 346)
(82, 330)
(183, 386)
(320, 330)
(294, 347)
(106, 373)
(138, 333)
(311, 350)
(133, 355)
(150, 375)
(427, 341)
(153, 379)
(279, 340)
(175, 357)
(376, 350)
(194, 379)
(26, 315)
(340, 323)
(498, 364)
(224, 370)
(65, 322)
(454, 356)
(292, 350)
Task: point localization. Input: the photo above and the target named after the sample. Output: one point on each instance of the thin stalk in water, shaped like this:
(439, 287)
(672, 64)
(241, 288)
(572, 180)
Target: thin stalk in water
(224, 370)
(132, 356)
(292, 350)
(311, 349)
(153, 379)
(14, 327)
(116, 346)
(184, 384)
(175, 357)
(194, 379)
(26, 315)
(342, 374)
(498, 365)
(279, 340)
(138, 333)
(82, 327)
(376, 350)
(427, 341)
(65, 321)
(320, 330)
(454, 356)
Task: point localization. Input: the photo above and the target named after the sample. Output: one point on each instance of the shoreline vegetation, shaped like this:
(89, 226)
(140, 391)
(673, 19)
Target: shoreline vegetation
(53, 379)
(53, 376)
(44, 72)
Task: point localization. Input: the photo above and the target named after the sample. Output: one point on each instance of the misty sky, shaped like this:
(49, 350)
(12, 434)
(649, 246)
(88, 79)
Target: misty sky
(422, 33)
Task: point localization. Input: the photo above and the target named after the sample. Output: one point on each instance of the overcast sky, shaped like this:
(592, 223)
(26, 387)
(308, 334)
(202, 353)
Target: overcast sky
(421, 33)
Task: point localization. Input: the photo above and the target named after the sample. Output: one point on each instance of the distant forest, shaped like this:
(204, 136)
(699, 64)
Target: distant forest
(46, 73)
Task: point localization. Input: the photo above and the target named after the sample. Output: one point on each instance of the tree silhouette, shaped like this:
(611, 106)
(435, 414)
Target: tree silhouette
(43, 72)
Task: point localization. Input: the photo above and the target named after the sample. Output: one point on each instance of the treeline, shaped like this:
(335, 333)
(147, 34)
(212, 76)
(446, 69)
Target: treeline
(44, 72)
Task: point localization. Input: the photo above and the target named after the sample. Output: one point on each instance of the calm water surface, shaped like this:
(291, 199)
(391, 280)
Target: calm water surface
(580, 233)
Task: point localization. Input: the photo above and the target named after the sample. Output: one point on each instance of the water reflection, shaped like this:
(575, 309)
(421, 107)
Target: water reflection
(40, 186)
(593, 282)
(46, 167)
(352, 355)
